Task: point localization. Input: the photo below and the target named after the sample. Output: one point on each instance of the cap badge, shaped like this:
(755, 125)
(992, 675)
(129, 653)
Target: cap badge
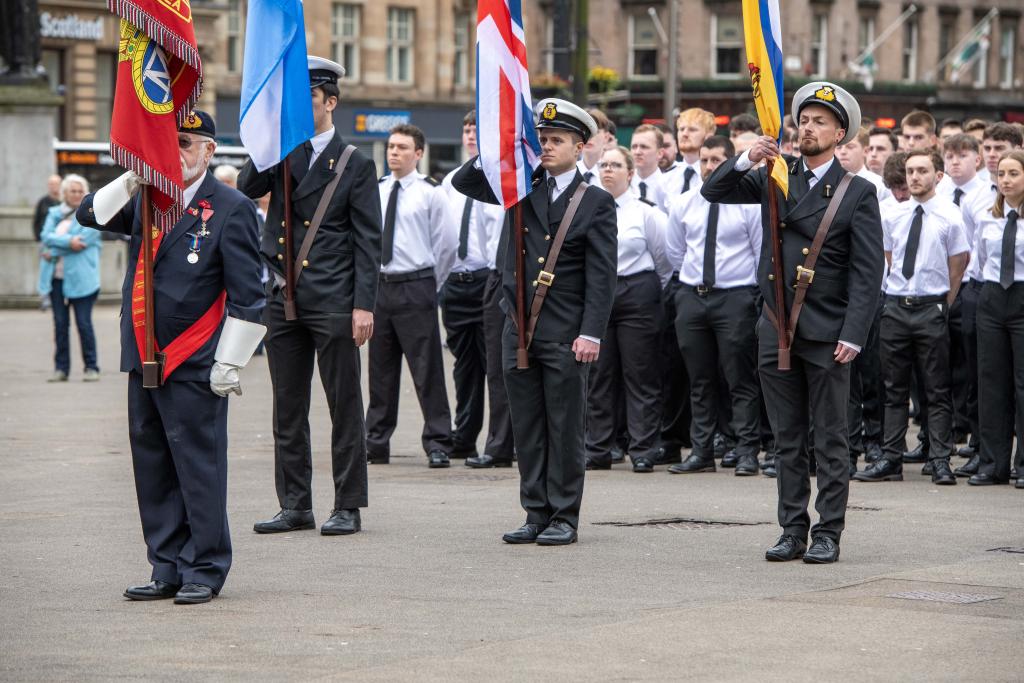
(192, 121)
(826, 93)
(550, 112)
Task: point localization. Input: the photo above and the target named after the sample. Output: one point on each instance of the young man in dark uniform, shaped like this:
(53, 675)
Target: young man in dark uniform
(548, 400)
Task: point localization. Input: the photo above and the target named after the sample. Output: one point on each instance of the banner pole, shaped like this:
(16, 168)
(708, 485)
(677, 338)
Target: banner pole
(522, 359)
(780, 299)
(150, 366)
(289, 246)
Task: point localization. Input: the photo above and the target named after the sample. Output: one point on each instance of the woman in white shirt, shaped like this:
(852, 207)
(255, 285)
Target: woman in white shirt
(627, 371)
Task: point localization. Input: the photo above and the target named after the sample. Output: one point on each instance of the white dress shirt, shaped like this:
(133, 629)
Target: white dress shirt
(989, 244)
(975, 190)
(942, 236)
(655, 193)
(595, 179)
(880, 189)
(422, 239)
(478, 254)
(737, 247)
(319, 142)
(673, 179)
(641, 238)
(189, 193)
(562, 181)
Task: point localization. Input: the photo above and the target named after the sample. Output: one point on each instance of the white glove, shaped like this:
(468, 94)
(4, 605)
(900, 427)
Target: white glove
(112, 197)
(224, 379)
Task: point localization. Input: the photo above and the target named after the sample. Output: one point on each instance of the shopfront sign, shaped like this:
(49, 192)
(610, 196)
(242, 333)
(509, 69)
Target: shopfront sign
(378, 122)
(70, 26)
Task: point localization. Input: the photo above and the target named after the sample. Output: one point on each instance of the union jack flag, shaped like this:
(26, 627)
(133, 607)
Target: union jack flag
(507, 140)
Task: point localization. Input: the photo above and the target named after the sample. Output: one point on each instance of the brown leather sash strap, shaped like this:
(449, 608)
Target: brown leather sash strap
(547, 275)
(321, 209)
(805, 273)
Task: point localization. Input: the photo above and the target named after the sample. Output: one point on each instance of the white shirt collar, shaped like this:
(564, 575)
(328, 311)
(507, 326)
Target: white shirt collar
(189, 193)
(928, 205)
(563, 179)
(320, 141)
(407, 179)
(820, 172)
(624, 198)
(970, 185)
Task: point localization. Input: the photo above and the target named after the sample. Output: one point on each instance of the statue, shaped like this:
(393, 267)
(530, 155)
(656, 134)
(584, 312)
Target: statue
(19, 41)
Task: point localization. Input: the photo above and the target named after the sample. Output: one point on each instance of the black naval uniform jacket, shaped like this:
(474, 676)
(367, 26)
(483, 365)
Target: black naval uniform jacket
(841, 301)
(344, 260)
(579, 301)
(183, 291)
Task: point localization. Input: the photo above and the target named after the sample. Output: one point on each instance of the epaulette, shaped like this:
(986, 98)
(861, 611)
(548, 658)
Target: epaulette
(432, 180)
(647, 201)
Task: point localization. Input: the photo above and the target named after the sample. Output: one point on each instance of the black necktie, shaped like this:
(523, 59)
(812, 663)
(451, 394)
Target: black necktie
(1007, 258)
(552, 186)
(587, 176)
(687, 177)
(958, 194)
(387, 247)
(910, 255)
(809, 177)
(464, 229)
(710, 242)
(643, 190)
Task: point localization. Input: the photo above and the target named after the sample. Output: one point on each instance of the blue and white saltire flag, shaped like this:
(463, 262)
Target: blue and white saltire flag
(276, 110)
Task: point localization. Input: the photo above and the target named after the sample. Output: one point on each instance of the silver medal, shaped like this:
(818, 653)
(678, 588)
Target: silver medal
(193, 257)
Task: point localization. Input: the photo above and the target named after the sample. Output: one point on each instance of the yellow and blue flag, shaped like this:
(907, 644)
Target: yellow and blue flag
(762, 30)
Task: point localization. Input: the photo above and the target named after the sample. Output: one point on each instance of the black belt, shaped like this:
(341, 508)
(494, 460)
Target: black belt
(704, 290)
(642, 273)
(469, 275)
(975, 284)
(405, 277)
(916, 301)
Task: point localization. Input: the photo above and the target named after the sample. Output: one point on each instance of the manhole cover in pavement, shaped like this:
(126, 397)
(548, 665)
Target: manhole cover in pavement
(862, 508)
(1016, 551)
(939, 596)
(681, 524)
(482, 477)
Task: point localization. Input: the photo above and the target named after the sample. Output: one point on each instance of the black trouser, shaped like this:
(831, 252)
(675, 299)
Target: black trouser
(499, 442)
(462, 312)
(548, 404)
(717, 339)
(815, 391)
(867, 391)
(405, 324)
(959, 378)
(969, 331)
(179, 440)
(915, 334)
(675, 384)
(628, 371)
(1000, 374)
(292, 346)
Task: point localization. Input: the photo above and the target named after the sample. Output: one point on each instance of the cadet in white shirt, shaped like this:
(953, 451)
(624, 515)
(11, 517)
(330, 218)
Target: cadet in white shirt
(627, 370)
(647, 179)
(927, 251)
(853, 156)
(693, 126)
(595, 148)
(417, 252)
(719, 246)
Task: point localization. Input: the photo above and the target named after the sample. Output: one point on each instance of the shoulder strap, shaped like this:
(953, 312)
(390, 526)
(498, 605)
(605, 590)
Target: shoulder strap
(547, 275)
(321, 209)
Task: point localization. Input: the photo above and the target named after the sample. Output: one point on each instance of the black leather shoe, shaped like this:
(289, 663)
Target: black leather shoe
(768, 466)
(378, 458)
(967, 451)
(527, 533)
(969, 468)
(484, 461)
(927, 470)
(1019, 484)
(595, 464)
(193, 594)
(154, 590)
(747, 466)
(719, 445)
(872, 452)
(982, 479)
(730, 458)
(437, 459)
(618, 455)
(557, 533)
(918, 455)
(641, 464)
(883, 470)
(787, 548)
(694, 463)
(666, 456)
(342, 523)
(286, 520)
(941, 474)
(823, 550)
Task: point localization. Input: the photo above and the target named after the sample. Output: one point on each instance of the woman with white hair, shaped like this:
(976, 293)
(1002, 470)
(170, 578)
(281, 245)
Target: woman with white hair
(69, 272)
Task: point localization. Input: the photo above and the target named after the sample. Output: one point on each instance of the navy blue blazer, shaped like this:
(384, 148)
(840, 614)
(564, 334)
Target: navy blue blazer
(229, 259)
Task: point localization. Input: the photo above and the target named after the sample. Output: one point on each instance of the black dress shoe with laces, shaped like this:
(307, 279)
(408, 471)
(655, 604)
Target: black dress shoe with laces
(747, 466)
(484, 461)
(927, 470)
(883, 470)
(286, 520)
(438, 458)
(342, 523)
(1019, 483)
(823, 550)
(918, 455)
(527, 533)
(154, 590)
(982, 479)
(694, 463)
(787, 548)
(557, 533)
(193, 594)
(967, 451)
(969, 468)
(872, 452)
(730, 458)
(768, 466)
(378, 458)
(641, 464)
(941, 474)
(667, 456)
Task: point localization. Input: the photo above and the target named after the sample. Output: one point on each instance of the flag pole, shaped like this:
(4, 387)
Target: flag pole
(780, 299)
(522, 359)
(150, 366)
(289, 246)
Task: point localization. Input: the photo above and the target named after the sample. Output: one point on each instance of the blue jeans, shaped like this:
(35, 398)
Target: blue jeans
(62, 321)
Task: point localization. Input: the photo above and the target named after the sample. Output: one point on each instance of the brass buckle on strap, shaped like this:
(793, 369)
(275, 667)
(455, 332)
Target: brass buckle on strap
(545, 278)
(801, 272)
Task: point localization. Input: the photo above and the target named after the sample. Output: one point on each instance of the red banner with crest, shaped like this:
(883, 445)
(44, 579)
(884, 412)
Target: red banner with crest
(159, 78)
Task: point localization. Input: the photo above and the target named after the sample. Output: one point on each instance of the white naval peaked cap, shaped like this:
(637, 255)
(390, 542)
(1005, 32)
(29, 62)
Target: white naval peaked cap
(837, 99)
(322, 71)
(555, 113)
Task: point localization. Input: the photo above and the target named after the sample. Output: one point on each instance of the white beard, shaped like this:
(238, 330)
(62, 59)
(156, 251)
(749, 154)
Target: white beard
(189, 173)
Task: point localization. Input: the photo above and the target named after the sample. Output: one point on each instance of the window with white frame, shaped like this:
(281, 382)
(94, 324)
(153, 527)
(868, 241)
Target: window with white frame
(1007, 53)
(643, 46)
(726, 45)
(909, 68)
(400, 44)
(819, 45)
(947, 39)
(460, 66)
(234, 35)
(979, 71)
(865, 32)
(345, 30)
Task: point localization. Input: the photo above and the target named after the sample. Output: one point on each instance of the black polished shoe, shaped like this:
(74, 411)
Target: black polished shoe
(941, 474)
(787, 548)
(719, 445)
(342, 523)
(768, 466)
(193, 594)
(438, 458)
(557, 533)
(883, 470)
(618, 455)
(823, 550)
(154, 590)
(969, 468)
(527, 533)
(694, 463)
(927, 470)
(747, 466)
(286, 520)
(641, 464)
(967, 451)
(484, 461)
(918, 455)
(595, 464)
(872, 452)
(1019, 484)
(730, 458)
(667, 456)
(378, 458)
(982, 479)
